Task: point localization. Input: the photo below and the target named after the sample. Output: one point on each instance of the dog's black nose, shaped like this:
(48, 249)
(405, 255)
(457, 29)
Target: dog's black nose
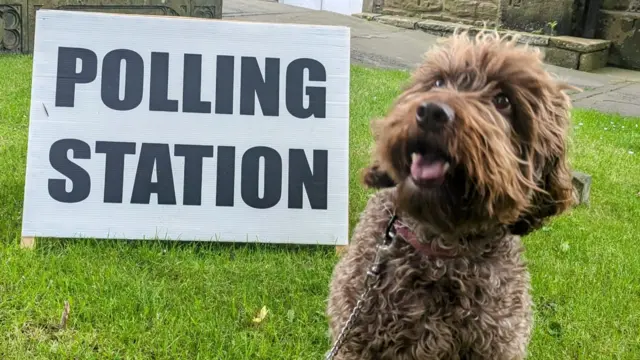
(433, 115)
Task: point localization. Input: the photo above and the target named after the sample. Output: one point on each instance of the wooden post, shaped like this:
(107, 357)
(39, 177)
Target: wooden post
(28, 242)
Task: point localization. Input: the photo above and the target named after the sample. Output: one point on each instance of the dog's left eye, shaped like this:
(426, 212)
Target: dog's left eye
(438, 83)
(501, 101)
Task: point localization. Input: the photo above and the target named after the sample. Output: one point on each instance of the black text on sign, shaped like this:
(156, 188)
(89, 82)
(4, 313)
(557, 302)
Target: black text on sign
(301, 175)
(253, 83)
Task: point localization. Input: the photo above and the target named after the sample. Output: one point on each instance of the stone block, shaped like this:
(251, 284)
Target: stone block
(440, 28)
(19, 15)
(424, 5)
(431, 16)
(615, 26)
(462, 8)
(536, 15)
(623, 29)
(485, 23)
(415, 5)
(397, 12)
(399, 21)
(616, 4)
(593, 61)
(532, 39)
(582, 187)
(579, 44)
(487, 11)
(458, 20)
(367, 16)
(562, 57)
(392, 3)
(529, 39)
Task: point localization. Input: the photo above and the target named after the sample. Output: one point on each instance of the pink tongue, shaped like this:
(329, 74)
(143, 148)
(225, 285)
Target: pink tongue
(424, 170)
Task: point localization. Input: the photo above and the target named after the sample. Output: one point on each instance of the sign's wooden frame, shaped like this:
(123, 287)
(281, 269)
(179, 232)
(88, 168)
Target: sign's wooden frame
(28, 242)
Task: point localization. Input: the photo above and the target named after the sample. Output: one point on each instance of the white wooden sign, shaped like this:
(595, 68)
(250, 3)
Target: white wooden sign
(187, 129)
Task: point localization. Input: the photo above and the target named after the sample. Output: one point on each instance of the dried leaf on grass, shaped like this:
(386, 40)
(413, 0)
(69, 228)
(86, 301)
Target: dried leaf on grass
(261, 315)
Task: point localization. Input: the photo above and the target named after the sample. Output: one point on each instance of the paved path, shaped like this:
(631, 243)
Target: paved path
(385, 46)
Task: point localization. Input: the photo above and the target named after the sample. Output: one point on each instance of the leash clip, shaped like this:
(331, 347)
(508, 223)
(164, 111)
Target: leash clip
(383, 252)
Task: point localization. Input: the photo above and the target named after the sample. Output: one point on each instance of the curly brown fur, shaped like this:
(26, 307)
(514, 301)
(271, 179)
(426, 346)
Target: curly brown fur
(500, 172)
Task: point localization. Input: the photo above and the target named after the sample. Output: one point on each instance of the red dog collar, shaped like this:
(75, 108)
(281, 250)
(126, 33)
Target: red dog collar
(425, 249)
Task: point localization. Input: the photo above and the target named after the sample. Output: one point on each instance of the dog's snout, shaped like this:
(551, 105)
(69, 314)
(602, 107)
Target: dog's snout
(433, 115)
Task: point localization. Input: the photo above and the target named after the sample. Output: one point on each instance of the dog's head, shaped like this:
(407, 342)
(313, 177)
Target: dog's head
(477, 139)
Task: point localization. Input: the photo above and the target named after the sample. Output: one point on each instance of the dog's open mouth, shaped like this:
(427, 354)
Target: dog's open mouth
(427, 166)
(427, 171)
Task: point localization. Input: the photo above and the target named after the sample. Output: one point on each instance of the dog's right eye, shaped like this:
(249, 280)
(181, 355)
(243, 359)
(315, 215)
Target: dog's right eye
(439, 83)
(501, 102)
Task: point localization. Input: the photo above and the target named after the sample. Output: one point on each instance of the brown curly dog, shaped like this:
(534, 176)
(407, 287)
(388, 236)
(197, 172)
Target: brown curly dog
(471, 156)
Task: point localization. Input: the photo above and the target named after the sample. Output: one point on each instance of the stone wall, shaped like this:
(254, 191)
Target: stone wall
(463, 11)
(621, 5)
(565, 51)
(549, 16)
(552, 17)
(17, 17)
(619, 20)
(623, 29)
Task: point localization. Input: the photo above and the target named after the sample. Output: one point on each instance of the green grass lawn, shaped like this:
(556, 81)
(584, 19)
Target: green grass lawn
(153, 300)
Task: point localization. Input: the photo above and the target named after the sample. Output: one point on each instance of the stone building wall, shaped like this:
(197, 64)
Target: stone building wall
(552, 17)
(463, 11)
(523, 15)
(619, 22)
(621, 5)
(17, 17)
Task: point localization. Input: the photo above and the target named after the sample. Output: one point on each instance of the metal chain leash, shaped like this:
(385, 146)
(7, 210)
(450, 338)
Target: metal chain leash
(372, 279)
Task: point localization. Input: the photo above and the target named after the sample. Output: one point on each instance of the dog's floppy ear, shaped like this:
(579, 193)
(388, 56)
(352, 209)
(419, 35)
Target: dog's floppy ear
(554, 174)
(556, 198)
(374, 177)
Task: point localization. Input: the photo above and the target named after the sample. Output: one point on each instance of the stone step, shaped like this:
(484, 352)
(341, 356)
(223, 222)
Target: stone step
(564, 51)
